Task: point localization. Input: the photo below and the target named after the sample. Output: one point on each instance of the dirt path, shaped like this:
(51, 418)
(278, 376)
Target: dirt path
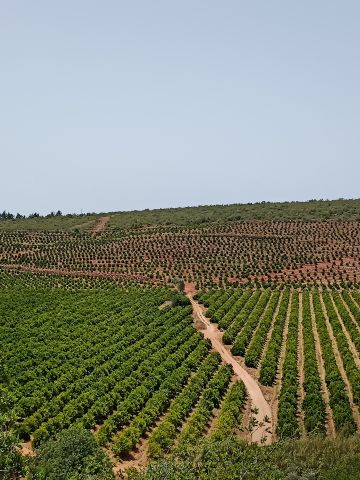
(258, 402)
(100, 225)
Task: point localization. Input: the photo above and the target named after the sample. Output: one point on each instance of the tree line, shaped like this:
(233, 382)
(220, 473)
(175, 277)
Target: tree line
(18, 216)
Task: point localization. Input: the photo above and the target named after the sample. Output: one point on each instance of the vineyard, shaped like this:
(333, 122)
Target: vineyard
(303, 346)
(207, 256)
(121, 363)
(156, 337)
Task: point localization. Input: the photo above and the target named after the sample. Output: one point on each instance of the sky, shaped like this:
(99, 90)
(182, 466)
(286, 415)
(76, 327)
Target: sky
(119, 105)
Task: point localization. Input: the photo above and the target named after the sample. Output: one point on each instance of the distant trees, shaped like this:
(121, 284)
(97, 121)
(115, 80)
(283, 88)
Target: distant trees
(6, 215)
(18, 216)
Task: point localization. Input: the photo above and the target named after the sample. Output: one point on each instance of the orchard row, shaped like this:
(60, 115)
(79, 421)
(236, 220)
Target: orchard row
(115, 362)
(208, 255)
(305, 341)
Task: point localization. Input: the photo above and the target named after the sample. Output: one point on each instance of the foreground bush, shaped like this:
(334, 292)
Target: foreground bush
(314, 458)
(74, 455)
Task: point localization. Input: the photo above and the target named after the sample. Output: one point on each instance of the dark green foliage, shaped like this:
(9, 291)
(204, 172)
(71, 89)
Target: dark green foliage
(230, 412)
(157, 404)
(270, 362)
(310, 210)
(209, 400)
(242, 340)
(288, 398)
(163, 436)
(339, 399)
(314, 458)
(255, 348)
(242, 316)
(313, 404)
(11, 462)
(72, 357)
(73, 455)
(351, 369)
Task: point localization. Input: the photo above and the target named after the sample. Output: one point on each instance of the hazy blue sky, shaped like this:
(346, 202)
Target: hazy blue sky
(116, 105)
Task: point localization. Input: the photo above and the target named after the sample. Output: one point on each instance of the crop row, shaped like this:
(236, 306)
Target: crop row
(288, 399)
(347, 358)
(350, 326)
(339, 400)
(162, 438)
(270, 362)
(239, 321)
(209, 400)
(91, 370)
(102, 378)
(313, 403)
(137, 386)
(230, 412)
(244, 335)
(127, 439)
(255, 348)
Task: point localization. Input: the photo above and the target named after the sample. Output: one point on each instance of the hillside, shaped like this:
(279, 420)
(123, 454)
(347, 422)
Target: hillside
(147, 333)
(267, 211)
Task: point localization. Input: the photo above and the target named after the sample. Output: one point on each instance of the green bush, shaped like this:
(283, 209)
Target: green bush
(311, 458)
(73, 455)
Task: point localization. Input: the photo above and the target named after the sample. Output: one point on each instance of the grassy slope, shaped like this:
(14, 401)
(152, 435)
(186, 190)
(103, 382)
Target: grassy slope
(311, 210)
(50, 224)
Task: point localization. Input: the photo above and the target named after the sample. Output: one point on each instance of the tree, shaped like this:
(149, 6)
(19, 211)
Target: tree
(74, 455)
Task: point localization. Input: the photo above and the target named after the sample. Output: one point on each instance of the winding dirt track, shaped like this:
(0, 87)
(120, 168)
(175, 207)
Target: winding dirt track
(100, 225)
(258, 402)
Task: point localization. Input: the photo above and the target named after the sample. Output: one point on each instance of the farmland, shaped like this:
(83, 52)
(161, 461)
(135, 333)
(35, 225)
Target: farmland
(112, 361)
(303, 346)
(153, 335)
(208, 256)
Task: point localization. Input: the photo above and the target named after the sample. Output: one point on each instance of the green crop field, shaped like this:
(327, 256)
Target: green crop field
(165, 334)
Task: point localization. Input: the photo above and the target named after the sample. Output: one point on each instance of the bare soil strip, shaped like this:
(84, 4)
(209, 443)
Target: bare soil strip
(301, 366)
(350, 312)
(340, 365)
(277, 388)
(354, 300)
(100, 225)
(330, 427)
(258, 402)
(346, 333)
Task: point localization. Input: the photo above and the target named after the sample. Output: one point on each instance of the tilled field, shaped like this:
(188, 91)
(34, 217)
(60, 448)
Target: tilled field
(265, 252)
